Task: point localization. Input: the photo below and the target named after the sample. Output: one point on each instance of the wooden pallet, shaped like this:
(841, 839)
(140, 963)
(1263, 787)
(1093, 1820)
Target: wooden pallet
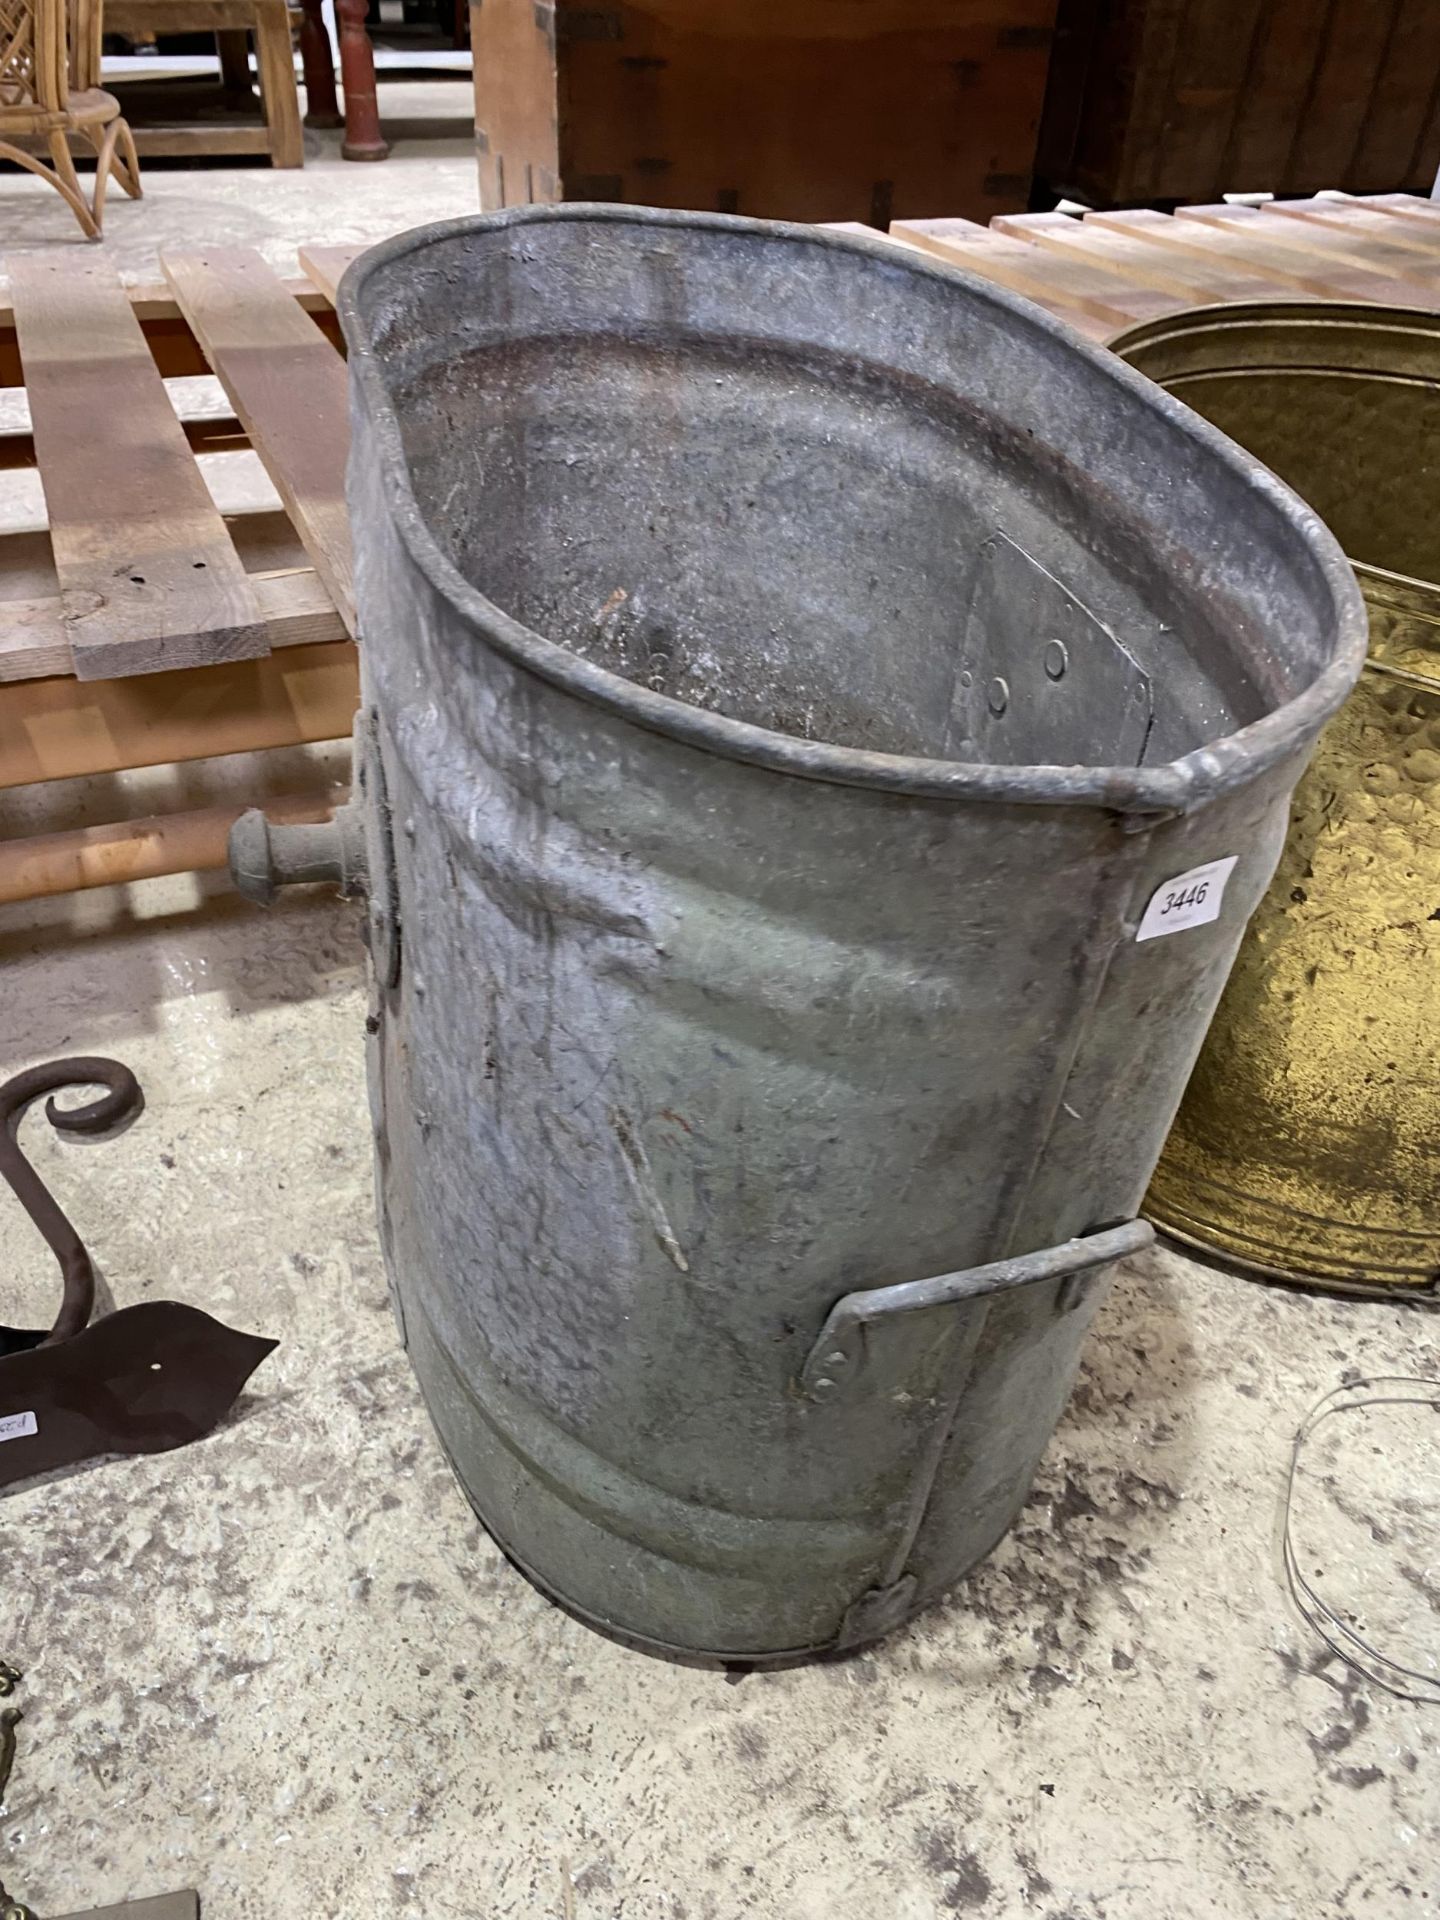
(138, 575)
(1108, 271)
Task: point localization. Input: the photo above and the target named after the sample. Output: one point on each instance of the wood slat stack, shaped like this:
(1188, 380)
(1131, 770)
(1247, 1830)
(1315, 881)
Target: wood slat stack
(1109, 270)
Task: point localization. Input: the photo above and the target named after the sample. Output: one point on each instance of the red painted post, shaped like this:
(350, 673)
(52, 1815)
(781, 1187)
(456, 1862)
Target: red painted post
(357, 72)
(317, 56)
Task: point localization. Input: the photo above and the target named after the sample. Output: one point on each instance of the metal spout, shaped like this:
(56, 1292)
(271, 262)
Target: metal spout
(265, 856)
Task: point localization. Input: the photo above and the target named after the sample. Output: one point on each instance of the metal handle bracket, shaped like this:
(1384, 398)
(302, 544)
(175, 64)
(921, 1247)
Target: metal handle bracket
(832, 1360)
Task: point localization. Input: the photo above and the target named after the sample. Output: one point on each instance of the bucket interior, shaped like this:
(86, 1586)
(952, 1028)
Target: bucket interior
(1343, 402)
(833, 495)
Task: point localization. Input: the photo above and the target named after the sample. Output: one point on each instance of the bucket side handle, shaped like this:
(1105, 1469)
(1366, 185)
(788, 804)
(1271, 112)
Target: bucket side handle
(832, 1359)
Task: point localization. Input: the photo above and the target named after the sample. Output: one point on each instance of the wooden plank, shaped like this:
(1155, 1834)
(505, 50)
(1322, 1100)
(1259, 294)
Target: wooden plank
(298, 611)
(1291, 272)
(275, 70)
(154, 300)
(1365, 225)
(186, 143)
(1406, 277)
(212, 433)
(1404, 206)
(149, 578)
(294, 606)
(1187, 278)
(517, 120)
(264, 539)
(326, 266)
(33, 640)
(287, 385)
(60, 728)
(137, 17)
(1095, 302)
(172, 345)
(158, 142)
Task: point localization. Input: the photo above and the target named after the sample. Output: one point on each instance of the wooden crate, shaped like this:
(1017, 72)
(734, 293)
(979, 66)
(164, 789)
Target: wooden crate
(1183, 100)
(140, 626)
(802, 110)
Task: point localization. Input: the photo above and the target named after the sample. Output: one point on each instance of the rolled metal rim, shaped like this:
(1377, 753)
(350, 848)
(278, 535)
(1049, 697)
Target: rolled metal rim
(1178, 787)
(1301, 336)
(1261, 321)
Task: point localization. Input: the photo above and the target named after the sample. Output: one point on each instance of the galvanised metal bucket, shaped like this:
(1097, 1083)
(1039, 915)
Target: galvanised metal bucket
(825, 731)
(1308, 1144)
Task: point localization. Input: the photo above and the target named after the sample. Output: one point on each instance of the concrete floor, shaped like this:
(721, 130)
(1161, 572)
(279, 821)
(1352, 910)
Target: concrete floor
(287, 1668)
(430, 175)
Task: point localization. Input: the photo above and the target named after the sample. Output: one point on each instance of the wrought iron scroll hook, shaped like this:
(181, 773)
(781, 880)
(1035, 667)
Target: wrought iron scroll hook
(120, 1102)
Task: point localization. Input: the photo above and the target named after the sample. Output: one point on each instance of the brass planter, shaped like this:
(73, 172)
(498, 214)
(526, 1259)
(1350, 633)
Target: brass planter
(1308, 1144)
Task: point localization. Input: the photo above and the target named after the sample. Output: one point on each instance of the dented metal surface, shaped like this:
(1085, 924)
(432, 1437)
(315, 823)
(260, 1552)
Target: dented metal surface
(1305, 1150)
(728, 988)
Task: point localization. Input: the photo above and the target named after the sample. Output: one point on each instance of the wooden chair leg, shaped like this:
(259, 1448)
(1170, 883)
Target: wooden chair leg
(317, 56)
(114, 158)
(363, 139)
(127, 167)
(233, 45)
(68, 181)
(71, 195)
(275, 58)
(103, 140)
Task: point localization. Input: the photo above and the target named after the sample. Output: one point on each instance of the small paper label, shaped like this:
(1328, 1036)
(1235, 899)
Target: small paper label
(1189, 900)
(15, 1426)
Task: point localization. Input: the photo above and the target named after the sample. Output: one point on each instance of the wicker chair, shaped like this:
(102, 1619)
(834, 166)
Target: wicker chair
(49, 91)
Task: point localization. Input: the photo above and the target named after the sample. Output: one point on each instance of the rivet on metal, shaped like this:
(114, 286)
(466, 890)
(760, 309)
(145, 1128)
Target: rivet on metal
(997, 696)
